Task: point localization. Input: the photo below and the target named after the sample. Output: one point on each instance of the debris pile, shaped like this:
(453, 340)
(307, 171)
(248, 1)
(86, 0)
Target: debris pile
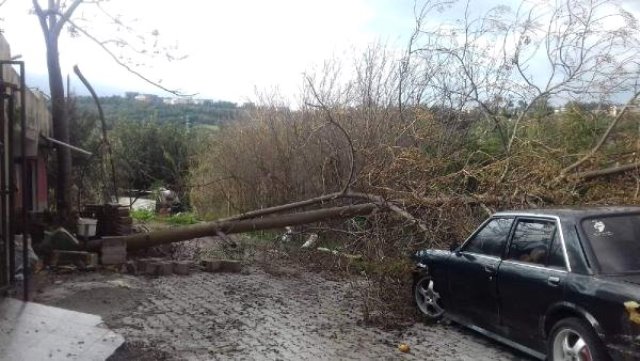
(113, 219)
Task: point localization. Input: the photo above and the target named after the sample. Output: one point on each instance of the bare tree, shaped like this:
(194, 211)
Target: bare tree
(531, 55)
(52, 21)
(54, 17)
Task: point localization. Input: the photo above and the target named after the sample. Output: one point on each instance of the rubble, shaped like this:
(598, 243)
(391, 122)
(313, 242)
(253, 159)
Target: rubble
(61, 239)
(80, 259)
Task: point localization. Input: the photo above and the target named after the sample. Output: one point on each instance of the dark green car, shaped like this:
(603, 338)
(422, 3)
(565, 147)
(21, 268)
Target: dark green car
(561, 284)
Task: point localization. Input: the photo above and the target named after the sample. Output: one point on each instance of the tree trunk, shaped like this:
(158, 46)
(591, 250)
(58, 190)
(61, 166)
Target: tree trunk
(145, 240)
(60, 129)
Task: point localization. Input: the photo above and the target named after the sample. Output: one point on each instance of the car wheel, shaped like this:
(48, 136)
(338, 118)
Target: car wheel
(427, 299)
(572, 339)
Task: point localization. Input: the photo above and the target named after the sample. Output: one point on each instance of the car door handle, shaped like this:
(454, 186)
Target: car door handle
(553, 281)
(490, 269)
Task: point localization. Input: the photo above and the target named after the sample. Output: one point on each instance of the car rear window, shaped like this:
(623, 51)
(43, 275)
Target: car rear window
(615, 241)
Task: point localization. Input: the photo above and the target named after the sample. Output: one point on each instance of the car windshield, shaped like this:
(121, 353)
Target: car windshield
(615, 241)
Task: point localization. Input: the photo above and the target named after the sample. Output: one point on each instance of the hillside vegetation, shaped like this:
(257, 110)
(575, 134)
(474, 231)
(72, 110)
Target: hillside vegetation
(152, 142)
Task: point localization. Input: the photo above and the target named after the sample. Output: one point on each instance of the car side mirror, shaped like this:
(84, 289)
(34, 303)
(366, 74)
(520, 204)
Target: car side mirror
(454, 246)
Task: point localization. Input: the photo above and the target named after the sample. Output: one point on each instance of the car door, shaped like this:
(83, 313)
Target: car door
(472, 271)
(531, 278)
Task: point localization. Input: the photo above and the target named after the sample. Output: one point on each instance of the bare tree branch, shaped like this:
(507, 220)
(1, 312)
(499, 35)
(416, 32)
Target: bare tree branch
(118, 61)
(608, 171)
(331, 120)
(105, 138)
(65, 16)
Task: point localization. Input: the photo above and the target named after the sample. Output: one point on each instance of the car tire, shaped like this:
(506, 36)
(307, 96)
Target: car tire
(574, 339)
(426, 299)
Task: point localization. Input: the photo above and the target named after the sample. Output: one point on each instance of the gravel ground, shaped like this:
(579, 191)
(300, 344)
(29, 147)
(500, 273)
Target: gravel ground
(254, 315)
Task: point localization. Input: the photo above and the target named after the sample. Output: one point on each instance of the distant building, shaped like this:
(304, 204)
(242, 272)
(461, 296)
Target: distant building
(147, 98)
(185, 101)
(178, 101)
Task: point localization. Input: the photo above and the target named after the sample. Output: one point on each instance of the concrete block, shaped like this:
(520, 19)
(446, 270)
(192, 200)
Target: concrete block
(231, 266)
(150, 268)
(131, 267)
(113, 258)
(212, 265)
(164, 268)
(141, 263)
(113, 251)
(158, 268)
(113, 242)
(182, 267)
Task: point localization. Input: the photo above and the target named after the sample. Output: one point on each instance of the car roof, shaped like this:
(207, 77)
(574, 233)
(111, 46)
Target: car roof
(572, 213)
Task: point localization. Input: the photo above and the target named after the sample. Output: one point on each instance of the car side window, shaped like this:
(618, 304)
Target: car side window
(556, 256)
(532, 241)
(491, 239)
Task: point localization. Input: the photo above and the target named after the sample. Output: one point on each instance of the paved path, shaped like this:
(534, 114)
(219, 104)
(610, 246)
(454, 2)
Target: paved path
(257, 316)
(30, 331)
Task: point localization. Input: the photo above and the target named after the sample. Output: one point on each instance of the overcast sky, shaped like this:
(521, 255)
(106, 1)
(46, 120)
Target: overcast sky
(233, 47)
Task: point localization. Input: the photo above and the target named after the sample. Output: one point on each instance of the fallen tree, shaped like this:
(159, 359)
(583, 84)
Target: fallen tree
(151, 239)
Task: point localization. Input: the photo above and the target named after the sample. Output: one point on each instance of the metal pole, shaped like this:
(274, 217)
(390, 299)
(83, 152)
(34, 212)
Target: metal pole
(75, 149)
(25, 197)
(10, 168)
(6, 254)
(12, 189)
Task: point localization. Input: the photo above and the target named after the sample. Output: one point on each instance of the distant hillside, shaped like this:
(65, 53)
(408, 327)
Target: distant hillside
(200, 112)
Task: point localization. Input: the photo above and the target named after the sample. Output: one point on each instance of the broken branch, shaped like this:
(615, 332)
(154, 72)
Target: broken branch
(608, 171)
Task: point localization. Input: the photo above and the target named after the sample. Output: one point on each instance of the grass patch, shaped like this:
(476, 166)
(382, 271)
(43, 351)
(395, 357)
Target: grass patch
(265, 236)
(143, 215)
(182, 219)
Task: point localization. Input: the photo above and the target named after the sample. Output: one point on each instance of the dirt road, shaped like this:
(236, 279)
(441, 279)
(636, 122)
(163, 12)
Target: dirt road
(291, 315)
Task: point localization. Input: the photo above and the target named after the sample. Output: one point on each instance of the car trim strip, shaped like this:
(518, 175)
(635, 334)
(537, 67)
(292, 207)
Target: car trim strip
(482, 255)
(530, 265)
